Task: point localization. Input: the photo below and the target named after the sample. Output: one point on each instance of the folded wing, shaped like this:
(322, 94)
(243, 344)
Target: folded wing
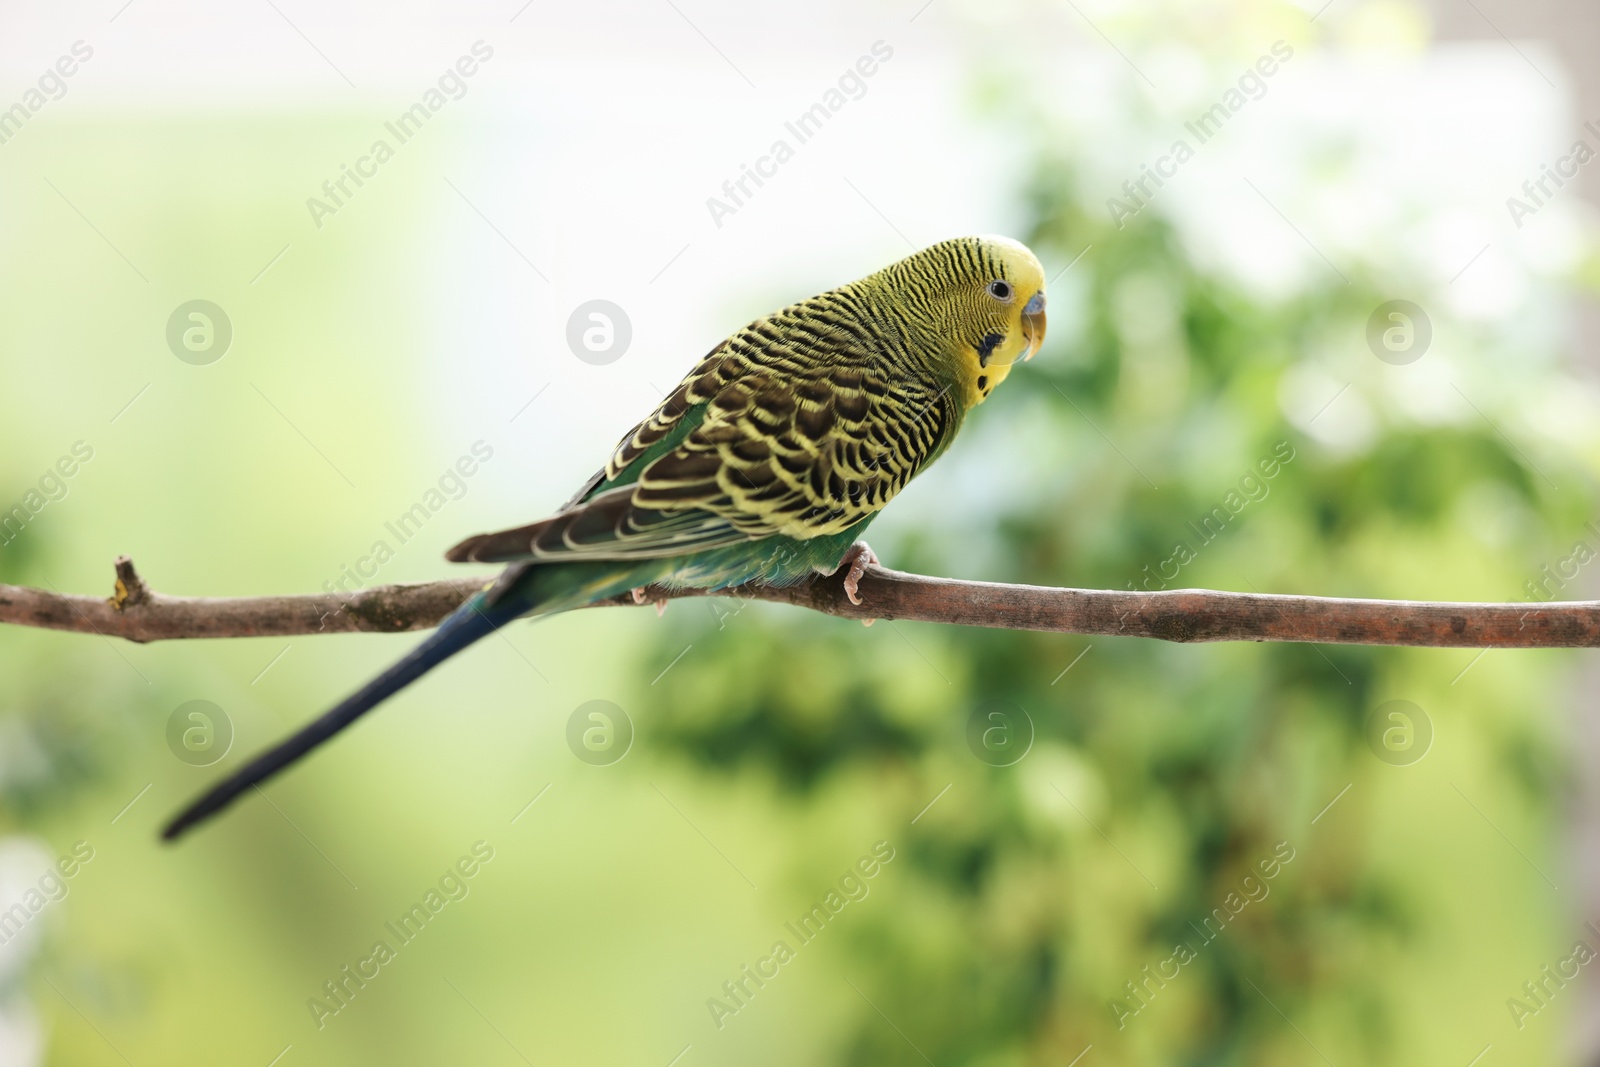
(785, 429)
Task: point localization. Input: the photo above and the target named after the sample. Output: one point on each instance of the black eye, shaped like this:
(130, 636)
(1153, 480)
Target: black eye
(1000, 289)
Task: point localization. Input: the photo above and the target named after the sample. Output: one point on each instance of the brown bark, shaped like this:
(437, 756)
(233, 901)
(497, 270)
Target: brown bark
(138, 613)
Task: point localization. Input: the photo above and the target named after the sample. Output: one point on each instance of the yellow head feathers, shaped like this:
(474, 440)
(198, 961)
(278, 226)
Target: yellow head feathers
(978, 303)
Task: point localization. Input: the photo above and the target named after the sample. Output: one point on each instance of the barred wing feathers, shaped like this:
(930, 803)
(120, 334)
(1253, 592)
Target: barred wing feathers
(790, 428)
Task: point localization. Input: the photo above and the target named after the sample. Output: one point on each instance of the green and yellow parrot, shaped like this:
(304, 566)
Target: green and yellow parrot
(765, 465)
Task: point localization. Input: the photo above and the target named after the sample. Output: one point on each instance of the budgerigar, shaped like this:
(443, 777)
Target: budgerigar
(765, 465)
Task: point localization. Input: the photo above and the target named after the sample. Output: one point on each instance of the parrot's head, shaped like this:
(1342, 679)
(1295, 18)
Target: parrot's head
(985, 296)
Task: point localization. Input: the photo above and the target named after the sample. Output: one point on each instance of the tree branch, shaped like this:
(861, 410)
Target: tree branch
(138, 613)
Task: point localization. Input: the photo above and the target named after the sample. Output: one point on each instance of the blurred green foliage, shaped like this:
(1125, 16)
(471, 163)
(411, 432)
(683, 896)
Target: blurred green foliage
(1029, 896)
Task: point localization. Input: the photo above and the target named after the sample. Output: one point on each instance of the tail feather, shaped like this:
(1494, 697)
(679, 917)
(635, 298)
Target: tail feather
(473, 621)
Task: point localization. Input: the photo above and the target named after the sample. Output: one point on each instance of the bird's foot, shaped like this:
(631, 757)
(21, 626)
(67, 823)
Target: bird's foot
(642, 595)
(858, 559)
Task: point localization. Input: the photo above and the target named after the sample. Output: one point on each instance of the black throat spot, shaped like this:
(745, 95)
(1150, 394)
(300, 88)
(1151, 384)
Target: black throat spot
(987, 346)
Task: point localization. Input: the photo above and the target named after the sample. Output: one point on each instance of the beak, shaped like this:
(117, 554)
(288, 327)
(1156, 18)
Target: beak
(1033, 323)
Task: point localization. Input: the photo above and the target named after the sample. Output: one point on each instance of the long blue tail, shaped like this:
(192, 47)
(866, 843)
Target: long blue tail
(472, 621)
